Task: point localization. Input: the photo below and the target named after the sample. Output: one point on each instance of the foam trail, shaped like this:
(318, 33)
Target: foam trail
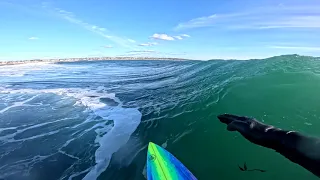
(124, 156)
(77, 174)
(10, 137)
(181, 135)
(17, 104)
(126, 120)
(110, 139)
(71, 156)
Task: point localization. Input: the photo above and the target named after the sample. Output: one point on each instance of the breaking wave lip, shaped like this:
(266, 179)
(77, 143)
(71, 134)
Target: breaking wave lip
(125, 121)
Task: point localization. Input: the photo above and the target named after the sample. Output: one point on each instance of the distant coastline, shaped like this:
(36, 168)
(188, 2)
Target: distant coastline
(86, 59)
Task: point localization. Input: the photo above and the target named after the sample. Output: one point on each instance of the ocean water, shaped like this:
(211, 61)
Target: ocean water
(93, 120)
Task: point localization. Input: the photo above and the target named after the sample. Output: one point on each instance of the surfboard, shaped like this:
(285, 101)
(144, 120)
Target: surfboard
(162, 165)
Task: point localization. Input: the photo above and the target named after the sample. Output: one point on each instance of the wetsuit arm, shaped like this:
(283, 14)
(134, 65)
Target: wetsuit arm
(298, 148)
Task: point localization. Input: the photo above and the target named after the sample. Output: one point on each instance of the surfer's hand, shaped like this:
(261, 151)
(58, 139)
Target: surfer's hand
(253, 130)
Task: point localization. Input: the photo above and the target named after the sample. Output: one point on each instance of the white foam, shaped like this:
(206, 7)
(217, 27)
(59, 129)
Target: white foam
(165, 144)
(25, 164)
(10, 137)
(110, 139)
(128, 152)
(307, 123)
(125, 123)
(69, 155)
(20, 70)
(17, 104)
(77, 174)
(182, 135)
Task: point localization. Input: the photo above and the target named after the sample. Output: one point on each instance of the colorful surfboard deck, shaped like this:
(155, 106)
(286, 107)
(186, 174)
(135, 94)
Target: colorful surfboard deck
(162, 165)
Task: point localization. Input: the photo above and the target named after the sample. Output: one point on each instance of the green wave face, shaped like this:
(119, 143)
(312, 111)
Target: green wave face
(282, 91)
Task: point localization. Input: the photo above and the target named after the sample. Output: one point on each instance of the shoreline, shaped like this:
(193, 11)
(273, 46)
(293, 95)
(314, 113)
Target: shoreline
(2, 63)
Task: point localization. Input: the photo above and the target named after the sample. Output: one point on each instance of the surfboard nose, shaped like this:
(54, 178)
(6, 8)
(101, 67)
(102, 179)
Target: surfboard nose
(151, 144)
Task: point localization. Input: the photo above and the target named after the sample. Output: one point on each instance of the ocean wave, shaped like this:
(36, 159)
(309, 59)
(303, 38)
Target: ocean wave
(68, 108)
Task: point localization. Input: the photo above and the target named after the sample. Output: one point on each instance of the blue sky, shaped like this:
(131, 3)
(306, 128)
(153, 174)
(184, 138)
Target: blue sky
(198, 29)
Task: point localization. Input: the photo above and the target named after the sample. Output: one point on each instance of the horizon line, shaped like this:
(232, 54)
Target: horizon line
(101, 58)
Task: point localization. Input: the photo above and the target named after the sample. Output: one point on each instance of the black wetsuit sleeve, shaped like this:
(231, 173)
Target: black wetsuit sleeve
(298, 148)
